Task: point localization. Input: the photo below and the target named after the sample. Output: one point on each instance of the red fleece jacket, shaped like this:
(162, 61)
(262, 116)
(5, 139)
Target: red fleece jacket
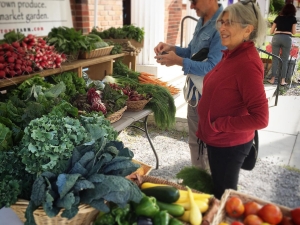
(233, 98)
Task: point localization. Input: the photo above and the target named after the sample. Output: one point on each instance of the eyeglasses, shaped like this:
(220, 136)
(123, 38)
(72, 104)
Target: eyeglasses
(245, 2)
(226, 23)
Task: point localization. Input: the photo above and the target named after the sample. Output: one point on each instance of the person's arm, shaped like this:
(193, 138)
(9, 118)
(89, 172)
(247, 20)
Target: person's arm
(294, 28)
(214, 56)
(272, 30)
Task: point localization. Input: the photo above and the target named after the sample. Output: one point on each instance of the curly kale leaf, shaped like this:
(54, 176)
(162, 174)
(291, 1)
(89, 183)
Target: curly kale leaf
(5, 138)
(48, 143)
(9, 191)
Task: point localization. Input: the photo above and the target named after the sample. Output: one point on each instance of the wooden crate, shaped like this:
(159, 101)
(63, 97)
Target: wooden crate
(144, 169)
(221, 216)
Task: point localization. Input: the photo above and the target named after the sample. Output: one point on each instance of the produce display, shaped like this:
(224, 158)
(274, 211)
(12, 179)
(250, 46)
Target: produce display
(26, 55)
(162, 102)
(241, 210)
(160, 205)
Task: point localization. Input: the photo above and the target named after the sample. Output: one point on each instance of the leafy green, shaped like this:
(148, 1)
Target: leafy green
(11, 37)
(114, 100)
(48, 142)
(5, 138)
(67, 190)
(68, 40)
(127, 31)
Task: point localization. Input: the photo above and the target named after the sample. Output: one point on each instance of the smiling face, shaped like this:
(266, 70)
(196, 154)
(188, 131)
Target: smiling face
(233, 33)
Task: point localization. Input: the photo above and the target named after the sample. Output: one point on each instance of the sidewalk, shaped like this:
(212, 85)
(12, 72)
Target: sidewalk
(280, 141)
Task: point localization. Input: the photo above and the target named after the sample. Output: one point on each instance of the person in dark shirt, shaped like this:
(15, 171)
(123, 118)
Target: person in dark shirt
(284, 26)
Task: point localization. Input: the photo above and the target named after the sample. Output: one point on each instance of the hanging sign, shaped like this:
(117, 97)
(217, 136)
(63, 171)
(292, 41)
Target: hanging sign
(35, 17)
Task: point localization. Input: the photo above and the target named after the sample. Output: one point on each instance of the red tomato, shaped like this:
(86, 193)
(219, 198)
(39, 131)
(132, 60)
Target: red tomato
(253, 220)
(270, 213)
(234, 207)
(236, 223)
(251, 208)
(295, 213)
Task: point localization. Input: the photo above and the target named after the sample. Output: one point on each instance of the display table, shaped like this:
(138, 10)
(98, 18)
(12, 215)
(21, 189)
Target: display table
(130, 117)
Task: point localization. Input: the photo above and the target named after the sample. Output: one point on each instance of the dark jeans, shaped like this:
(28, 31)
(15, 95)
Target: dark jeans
(225, 164)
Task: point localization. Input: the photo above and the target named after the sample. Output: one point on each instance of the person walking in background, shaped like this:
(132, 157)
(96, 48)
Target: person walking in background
(205, 36)
(234, 104)
(284, 26)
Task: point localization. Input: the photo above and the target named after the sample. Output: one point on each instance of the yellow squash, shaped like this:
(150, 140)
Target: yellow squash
(195, 214)
(202, 205)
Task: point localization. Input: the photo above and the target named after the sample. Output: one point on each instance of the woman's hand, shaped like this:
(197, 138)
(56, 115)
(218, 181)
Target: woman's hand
(169, 59)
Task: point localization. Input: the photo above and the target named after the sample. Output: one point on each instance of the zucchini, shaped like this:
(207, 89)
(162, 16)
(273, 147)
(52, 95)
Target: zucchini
(95, 37)
(166, 194)
(172, 209)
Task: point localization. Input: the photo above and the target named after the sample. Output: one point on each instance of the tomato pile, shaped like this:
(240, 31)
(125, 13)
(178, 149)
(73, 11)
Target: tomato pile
(28, 55)
(252, 213)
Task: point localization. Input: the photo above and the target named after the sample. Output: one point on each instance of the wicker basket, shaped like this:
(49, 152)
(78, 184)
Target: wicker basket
(117, 115)
(135, 106)
(96, 53)
(213, 203)
(85, 216)
(221, 216)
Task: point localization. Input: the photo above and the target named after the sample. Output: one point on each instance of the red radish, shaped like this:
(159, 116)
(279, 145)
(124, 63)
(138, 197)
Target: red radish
(5, 46)
(30, 37)
(11, 59)
(2, 74)
(15, 44)
(28, 69)
(12, 73)
(1, 66)
(2, 59)
(19, 72)
(8, 54)
(18, 67)
(18, 61)
(2, 52)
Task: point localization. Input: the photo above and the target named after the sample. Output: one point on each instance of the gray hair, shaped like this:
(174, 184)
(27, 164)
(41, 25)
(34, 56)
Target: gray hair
(245, 15)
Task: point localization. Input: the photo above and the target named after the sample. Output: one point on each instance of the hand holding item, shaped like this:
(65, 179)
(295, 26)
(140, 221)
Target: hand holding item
(169, 59)
(162, 47)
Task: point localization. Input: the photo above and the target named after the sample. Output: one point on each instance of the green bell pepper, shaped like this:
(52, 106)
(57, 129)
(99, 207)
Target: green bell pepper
(174, 221)
(161, 218)
(146, 207)
(120, 214)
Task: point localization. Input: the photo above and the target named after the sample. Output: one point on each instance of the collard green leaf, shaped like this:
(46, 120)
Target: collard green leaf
(38, 193)
(78, 169)
(29, 213)
(96, 178)
(104, 158)
(86, 158)
(70, 213)
(100, 205)
(65, 183)
(48, 206)
(81, 185)
(66, 202)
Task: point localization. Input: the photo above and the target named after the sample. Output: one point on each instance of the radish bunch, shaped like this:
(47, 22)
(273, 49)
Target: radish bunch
(28, 55)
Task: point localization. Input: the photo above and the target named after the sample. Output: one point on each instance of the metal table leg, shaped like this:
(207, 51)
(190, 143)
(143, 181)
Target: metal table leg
(147, 134)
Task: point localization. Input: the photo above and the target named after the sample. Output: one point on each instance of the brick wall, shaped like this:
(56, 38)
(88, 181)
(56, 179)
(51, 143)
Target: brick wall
(173, 15)
(109, 14)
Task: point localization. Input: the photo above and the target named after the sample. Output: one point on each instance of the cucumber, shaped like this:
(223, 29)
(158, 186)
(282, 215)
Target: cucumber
(172, 209)
(166, 194)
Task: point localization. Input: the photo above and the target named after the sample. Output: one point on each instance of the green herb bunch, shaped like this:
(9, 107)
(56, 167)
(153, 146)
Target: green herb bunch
(127, 31)
(68, 40)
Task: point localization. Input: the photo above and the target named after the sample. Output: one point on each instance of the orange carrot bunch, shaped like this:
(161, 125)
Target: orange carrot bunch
(146, 78)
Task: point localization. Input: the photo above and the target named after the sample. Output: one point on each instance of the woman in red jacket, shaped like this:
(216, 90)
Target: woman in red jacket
(234, 103)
